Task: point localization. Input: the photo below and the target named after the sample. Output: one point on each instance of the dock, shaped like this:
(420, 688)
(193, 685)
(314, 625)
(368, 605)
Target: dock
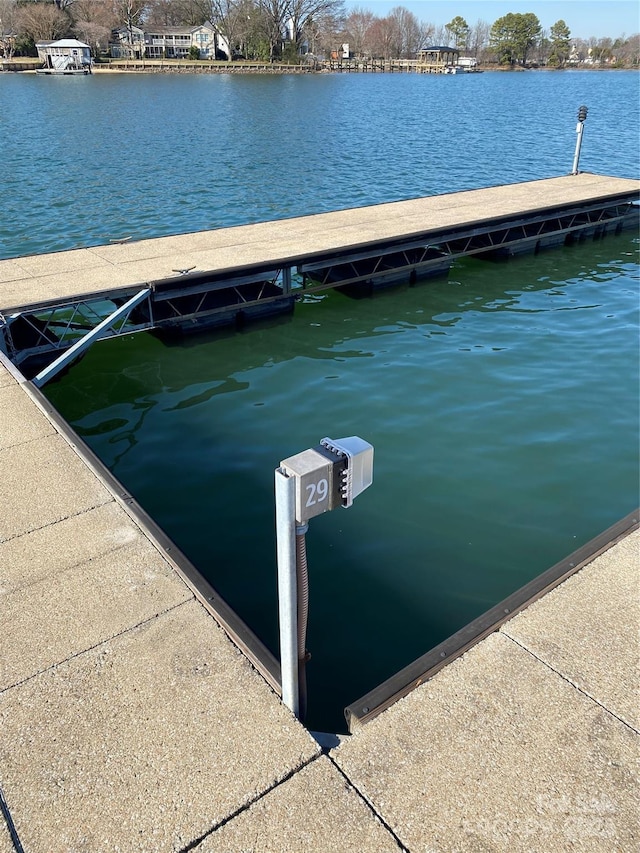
(138, 713)
(176, 66)
(130, 721)
(339, 65)
(187, 282)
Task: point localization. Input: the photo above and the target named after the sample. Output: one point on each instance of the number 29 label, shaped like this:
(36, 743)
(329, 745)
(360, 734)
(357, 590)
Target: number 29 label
(317, 493)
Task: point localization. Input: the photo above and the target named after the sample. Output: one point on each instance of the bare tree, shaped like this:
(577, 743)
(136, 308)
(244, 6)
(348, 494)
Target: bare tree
(178, 13)
(399, 35)
(478, 38)
(233, 18)
(324, 32)
(163, 13)
(408, 33)
(43, 22)
(8, 27)
(274, 18)
(93, 21)
(383, 38)
(128, 14)
(300, 12)
(196, 12)
(628, 52)
(439, 35)
(428, 30)
(357, 26)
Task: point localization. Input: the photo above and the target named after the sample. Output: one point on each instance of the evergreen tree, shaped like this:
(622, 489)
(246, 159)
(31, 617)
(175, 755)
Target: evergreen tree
(513, 35)
(560, 46)
(458, 29)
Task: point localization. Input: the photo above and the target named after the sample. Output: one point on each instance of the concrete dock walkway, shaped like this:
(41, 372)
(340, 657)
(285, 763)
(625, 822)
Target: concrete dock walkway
(130, 722)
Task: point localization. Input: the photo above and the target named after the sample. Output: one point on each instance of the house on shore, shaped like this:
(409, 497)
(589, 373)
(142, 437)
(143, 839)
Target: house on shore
(64, 56)
(169, 43)
(127, 43)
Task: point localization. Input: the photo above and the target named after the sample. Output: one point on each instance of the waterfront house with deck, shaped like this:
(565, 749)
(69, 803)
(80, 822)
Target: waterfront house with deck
(127, 43)
(169, 43)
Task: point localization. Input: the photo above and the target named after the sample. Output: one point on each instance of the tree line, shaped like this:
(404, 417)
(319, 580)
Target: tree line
(289, 29)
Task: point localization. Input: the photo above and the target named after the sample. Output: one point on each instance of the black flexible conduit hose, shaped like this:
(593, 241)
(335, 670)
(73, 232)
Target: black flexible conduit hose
(302, 575)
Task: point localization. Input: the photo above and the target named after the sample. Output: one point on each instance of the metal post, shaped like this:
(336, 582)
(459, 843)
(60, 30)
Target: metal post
(309, 484)
(576, 156)
(582, 115)
(286, 280)
(287, 588)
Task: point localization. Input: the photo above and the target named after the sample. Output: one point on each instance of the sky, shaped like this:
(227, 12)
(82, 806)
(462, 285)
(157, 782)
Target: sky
(585, 18)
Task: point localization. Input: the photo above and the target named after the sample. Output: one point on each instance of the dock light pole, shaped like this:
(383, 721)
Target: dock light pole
(582, 117)
(310, 483)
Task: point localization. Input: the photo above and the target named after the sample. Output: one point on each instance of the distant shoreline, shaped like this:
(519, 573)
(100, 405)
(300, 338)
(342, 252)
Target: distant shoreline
(397, 66)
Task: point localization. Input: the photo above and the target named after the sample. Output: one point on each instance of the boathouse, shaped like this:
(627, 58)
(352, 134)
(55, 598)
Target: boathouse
(64, 54)
(436, 59)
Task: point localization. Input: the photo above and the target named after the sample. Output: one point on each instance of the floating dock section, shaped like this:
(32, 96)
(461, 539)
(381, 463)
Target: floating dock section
(54, 306)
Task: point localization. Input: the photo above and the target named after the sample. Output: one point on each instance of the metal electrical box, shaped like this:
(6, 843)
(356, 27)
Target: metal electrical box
(356, 455)
(329, 475)
(316, 486)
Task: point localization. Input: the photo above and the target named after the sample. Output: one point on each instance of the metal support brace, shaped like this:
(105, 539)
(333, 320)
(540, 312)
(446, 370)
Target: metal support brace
(84, 343)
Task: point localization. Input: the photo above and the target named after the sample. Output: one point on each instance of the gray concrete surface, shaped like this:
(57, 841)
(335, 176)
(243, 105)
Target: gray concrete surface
(83, 606)
(19, 422)
(6, 380)
(589, 630)
(6, 845)
(499, 753)
(144, 742)
(315, 810)
(43, 481)
(130, 722)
